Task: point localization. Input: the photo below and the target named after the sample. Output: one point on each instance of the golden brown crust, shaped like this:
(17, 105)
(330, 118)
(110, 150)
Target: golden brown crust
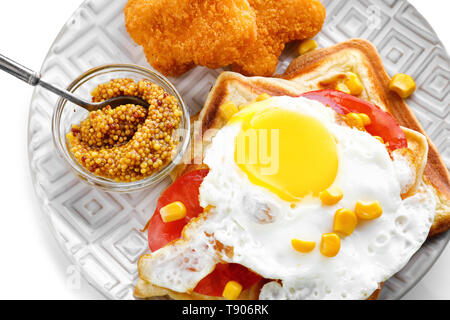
(178, 35)
(278, 22)
(376, 294)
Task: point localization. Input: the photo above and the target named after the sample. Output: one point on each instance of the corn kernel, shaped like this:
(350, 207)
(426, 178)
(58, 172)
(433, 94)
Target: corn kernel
(365, 119)
(343, 88)
(354, 84)
(368, 210)
(173, 212)
(307, 46)
(228, 110)
(232, 290)
(403, 85)
(263, 97)
(379, 139)
(303, 246)
(330, 245)
(354, 120)
(331, 196)
(345, 221)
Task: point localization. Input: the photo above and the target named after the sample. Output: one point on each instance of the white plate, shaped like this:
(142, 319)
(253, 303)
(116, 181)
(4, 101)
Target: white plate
(99, 232)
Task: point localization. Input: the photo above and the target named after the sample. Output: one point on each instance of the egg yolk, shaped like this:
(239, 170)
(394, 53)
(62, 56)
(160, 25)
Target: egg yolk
(286, 152)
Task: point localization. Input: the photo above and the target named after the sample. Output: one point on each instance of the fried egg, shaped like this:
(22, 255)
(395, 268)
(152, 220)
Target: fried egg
(268, 166)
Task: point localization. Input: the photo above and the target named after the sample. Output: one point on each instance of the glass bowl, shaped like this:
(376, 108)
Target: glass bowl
(67, 114)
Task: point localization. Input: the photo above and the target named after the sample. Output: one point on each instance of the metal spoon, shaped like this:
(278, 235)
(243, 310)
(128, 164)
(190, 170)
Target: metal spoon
(34, 79)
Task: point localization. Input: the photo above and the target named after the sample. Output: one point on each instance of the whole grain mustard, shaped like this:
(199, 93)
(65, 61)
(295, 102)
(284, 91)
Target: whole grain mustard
(129, 142)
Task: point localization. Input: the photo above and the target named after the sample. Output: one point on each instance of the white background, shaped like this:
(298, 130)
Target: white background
(32, 266)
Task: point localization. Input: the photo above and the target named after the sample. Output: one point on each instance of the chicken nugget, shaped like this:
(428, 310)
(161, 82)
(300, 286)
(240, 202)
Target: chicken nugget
(279, 21)
(179, 34)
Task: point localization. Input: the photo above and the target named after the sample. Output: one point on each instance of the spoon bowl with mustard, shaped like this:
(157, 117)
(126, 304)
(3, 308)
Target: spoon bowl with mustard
(131, 136)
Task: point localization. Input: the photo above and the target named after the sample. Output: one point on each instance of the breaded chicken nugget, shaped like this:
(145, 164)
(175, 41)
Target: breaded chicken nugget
(279, 21)
(179, 34)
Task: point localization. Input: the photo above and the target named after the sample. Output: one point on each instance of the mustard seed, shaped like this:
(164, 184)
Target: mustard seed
(129, 142)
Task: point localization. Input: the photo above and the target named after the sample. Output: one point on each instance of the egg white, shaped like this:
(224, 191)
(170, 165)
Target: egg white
(375, 251)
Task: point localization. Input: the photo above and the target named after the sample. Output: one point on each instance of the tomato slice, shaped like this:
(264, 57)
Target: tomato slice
(383, 124)
(186, 190)
(215, 282)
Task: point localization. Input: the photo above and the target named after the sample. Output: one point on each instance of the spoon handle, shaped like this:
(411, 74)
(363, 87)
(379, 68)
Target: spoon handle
(34, 79)
(66, 95)
(19, 71)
